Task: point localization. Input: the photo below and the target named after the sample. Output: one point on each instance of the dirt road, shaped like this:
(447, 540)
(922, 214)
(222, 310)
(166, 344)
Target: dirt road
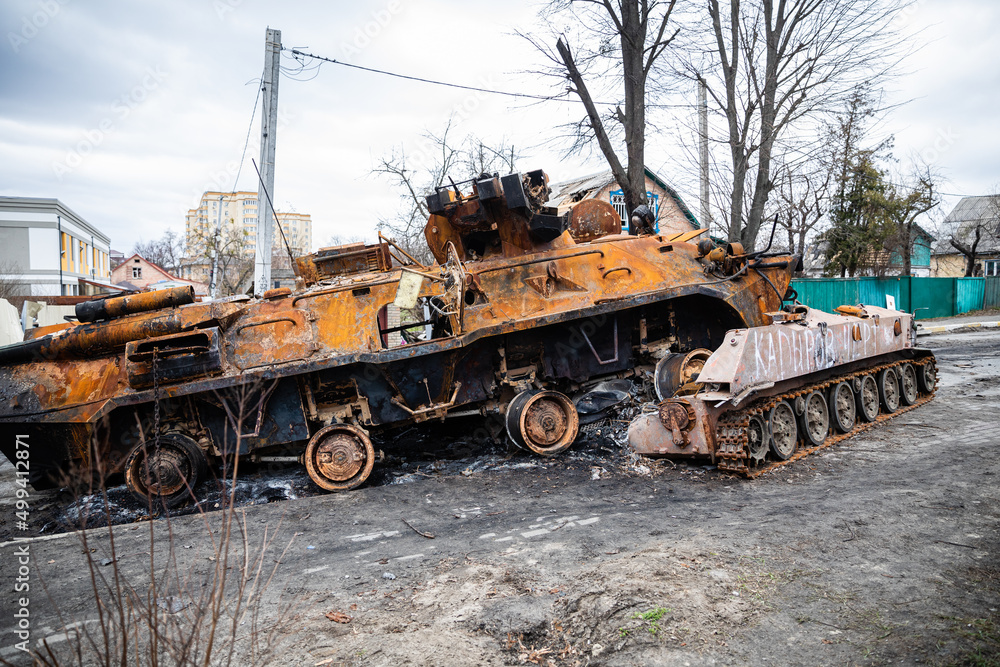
(880, 550)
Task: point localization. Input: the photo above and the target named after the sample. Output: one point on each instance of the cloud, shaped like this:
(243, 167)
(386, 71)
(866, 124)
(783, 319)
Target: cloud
(144, 146)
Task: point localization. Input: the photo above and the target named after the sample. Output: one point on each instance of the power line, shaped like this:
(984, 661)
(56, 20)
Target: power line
(543, 98)
(246, 143)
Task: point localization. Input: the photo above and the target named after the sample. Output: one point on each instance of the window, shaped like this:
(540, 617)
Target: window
(618, 201)
(992, 267)
(137, 272)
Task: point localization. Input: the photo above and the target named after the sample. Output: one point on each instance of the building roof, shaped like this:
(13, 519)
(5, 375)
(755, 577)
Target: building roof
(587, 187)
(152, 264)
(54, 207)
(969, 213)
(921, 232)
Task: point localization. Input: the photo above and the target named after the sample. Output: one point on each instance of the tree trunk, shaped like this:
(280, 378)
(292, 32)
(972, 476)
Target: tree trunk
(907, 248)
(968, 251)
(622, 177)
(633, 33)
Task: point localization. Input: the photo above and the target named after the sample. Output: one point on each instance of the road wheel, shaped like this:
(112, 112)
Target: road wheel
(815, 419)
(165, 472)
(784, 431)
(545, 422)
(843, 407)
(927, 377)
(757, 438)
(888, 389)
(339, 457)
(907, 384)
(868, 399)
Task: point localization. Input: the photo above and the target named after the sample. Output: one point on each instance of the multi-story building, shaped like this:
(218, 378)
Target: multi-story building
(298, 231)
(50, 250)
(238, 214)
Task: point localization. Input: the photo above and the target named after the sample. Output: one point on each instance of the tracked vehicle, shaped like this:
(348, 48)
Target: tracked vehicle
(772, 394)
(523, 305)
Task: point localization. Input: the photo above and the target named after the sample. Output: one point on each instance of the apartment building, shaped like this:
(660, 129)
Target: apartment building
(239, 214)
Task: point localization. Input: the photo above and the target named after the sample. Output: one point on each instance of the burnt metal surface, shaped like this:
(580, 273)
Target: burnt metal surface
(502, 312)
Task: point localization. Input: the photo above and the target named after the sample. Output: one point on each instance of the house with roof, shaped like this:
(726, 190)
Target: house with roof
(138, 273)
(880, 262)
(971, 215)
(672, 214)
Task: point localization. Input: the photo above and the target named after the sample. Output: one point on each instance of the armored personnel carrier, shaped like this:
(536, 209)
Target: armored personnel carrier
(772, 394)
(523, 305)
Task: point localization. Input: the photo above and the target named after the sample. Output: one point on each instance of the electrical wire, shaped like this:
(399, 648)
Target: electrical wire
(297, 54)
(246, 143)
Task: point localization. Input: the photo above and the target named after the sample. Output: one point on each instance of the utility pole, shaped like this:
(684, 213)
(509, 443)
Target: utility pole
(268, 135)
(216, 239)
(62, 253)
(706, 216)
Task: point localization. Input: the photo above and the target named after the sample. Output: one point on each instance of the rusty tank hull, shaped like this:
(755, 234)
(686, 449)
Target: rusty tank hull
(772, 394)
(515, 314)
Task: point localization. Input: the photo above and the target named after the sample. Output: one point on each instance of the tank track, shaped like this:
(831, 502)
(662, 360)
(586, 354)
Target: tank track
(733, 450)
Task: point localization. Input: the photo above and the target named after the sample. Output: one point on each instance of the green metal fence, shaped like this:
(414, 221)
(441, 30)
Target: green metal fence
(991, 292)
(926, 297)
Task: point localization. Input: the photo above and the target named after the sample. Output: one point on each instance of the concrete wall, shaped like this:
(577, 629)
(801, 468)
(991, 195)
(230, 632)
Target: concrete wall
(10, 324)
(947, 266)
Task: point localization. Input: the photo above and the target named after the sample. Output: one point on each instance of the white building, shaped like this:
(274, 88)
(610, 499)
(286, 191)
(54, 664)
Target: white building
(51, 250)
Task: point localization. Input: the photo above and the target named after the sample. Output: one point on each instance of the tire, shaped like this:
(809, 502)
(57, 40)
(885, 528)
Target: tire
(815, 419)
(784, 430)
(178, 465)
(868, 399)
(908, 384)
(843, 407)
(758, 438)
(927, 377)
(888, 389)
(545, 422)
(339, 457)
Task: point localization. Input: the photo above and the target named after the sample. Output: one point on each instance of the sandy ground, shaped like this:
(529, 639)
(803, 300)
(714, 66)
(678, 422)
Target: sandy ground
(880, 550)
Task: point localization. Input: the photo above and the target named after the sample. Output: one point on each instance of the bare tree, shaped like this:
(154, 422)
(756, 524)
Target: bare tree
(622, 44)
(802, 198)
(12, 287)
(338, 239)
(234, 257)
(771, 70)
(969, 237)
(415, 174)
(167, 252)
(906, 203)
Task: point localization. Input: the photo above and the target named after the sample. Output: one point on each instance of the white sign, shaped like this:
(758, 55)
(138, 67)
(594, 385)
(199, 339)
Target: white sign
(890, 302)
(408, 290)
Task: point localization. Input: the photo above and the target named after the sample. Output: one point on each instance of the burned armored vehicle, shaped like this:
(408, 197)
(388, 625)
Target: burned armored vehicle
(524, 305)
(775, 393)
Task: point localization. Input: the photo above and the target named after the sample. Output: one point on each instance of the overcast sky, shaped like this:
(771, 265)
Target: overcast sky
(128, 111)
